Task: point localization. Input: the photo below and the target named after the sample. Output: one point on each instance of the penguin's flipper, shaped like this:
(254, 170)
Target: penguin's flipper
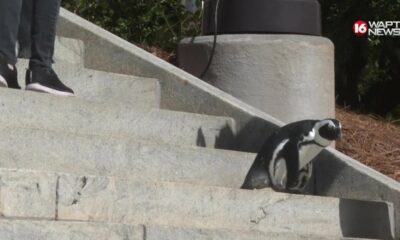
(280, 174)
(291, 155)
(257, 177)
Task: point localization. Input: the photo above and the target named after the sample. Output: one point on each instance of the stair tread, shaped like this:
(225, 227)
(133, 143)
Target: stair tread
(102, 155)
(99, 86)
(71, 197)
(56, 230)
(43, 111)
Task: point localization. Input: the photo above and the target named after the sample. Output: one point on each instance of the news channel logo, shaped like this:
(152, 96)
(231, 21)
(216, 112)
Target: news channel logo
(376, 28)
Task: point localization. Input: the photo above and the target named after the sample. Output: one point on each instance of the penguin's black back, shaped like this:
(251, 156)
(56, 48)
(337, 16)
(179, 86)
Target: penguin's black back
(258, 172)
(296, 130)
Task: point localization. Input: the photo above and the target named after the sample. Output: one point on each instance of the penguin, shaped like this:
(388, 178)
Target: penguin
(284, 162)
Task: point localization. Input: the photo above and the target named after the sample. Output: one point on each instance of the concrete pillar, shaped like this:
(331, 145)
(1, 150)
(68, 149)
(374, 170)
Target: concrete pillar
(290, 77)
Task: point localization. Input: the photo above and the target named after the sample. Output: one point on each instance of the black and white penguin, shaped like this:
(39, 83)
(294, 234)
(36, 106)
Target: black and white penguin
(285, 160)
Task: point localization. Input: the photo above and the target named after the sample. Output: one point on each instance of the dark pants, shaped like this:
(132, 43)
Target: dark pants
(38, 20)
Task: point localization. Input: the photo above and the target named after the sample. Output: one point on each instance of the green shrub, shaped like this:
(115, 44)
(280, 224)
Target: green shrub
(158, 23)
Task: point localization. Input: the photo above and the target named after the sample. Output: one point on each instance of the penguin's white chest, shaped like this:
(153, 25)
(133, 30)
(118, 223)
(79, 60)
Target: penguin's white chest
(308, 153)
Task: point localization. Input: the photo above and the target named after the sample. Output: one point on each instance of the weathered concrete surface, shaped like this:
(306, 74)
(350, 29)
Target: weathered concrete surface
(69, 50)
(168, 233)
(183, 92)
(54, 230)
(98, 86)
(127, 158)
(59, 230)
(290, 77)
(114, 200)
(75, 115)
(27, 194)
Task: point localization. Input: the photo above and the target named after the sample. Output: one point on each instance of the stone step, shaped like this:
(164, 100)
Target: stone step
(99, 155)
(169, 233)
(103, 86)
(61, 230)
(57, 230)
(75, 115)
(67, 50)
(65, 197)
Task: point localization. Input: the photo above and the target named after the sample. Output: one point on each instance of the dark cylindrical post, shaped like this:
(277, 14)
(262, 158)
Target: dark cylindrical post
(263, 16)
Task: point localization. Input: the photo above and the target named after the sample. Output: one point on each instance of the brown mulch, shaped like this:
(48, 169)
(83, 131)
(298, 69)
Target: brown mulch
(373, 142)
(166, 56)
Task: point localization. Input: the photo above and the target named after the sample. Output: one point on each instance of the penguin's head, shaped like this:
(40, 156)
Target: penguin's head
(328, 130)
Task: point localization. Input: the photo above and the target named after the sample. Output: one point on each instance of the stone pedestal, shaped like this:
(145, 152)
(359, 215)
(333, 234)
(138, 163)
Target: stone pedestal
(290, 77)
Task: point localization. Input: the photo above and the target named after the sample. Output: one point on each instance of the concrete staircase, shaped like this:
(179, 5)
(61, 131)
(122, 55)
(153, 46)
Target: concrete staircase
(135, 156)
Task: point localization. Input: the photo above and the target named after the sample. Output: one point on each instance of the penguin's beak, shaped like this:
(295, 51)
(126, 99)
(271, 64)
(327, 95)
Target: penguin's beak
(338, 133)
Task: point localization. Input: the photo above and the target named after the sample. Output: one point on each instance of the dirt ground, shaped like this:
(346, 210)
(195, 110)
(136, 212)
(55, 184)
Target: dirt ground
(371, 141)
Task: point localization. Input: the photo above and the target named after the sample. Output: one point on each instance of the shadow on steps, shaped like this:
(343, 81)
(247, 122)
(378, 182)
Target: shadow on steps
(363, 219)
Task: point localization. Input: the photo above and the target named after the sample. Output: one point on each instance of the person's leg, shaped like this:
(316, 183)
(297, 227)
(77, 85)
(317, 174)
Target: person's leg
(24, 32)
(40, 76)
(10, 11)
(9, 20)
(44, 20)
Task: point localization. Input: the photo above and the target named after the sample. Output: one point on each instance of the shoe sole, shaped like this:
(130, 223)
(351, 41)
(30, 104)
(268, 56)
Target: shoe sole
(40, 88)
(3, 82)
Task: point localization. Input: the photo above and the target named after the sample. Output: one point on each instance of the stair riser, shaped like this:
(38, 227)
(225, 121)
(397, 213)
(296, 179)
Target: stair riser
(82, 117)
(104, 87)
(84, 198)
(52, 230)
(96, 155)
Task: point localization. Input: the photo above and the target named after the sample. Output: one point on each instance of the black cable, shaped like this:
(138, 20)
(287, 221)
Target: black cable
(215, 40)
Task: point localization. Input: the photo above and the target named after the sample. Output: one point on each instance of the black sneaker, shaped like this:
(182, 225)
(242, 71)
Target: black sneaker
(8, 75)
(45, 80)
